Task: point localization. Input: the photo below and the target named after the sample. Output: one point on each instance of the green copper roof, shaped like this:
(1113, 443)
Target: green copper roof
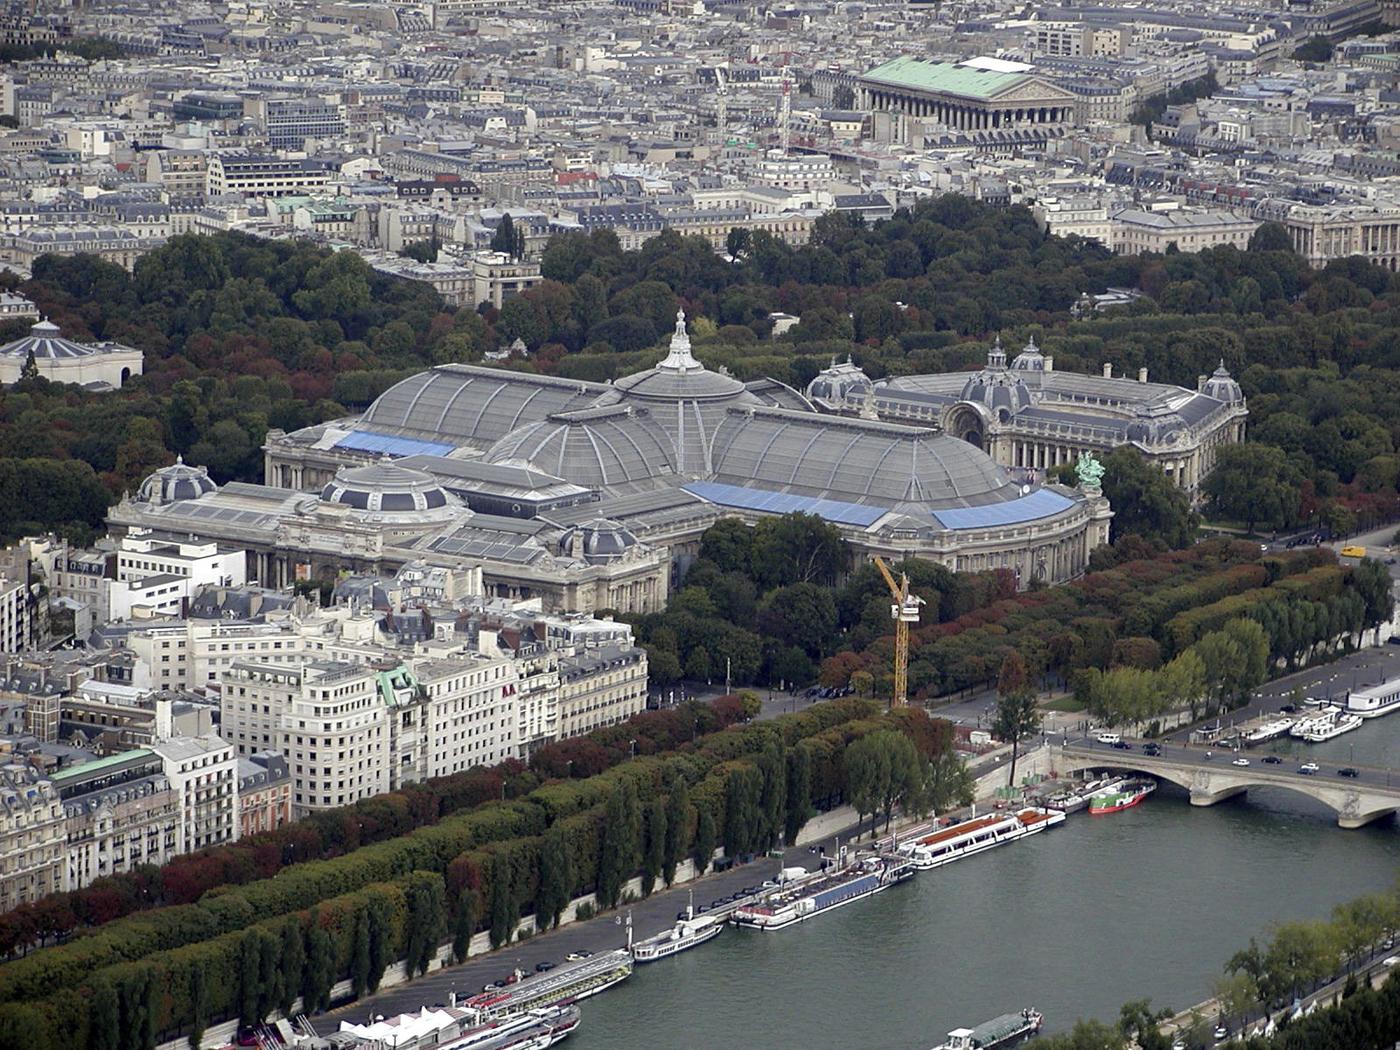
(946, 77)
(102, 765)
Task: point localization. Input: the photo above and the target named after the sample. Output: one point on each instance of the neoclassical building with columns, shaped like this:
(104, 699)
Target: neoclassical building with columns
(991, 100)
(1027, 415)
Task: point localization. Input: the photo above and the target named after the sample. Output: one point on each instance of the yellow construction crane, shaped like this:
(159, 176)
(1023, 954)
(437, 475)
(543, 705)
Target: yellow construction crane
(904, 611)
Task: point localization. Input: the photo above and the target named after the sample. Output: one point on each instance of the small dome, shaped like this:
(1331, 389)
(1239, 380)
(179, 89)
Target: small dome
(176, 482)
(45, 341)
(836, 387)
(1223, 387)
(383, 488)
(1005, 393)
(1030, 359)
(598, 540)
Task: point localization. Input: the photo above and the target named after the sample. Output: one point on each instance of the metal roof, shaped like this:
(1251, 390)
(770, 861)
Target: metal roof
(836, 511)
(945, 78)
(1039, 504)
(369, 441)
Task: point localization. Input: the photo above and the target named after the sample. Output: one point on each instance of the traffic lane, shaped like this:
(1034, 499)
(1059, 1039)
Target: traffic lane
(1214, 757)
(1364, 668)
(649, 916)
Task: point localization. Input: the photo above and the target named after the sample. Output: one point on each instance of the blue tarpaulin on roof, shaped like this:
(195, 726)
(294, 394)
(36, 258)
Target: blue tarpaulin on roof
(785, 503)
(369, 441)
(1039, 504)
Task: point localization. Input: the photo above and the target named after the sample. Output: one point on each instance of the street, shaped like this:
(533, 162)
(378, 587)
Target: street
(1223, 759)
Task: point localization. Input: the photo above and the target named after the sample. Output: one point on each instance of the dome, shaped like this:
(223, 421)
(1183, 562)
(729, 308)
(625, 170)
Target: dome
(834, 387)
(384, 488)
(1223, 387)
(598, 540)
(599, 447)
(176, 482)
(1004, 393)
(1030, 359)
(680, 376)
(44, 341)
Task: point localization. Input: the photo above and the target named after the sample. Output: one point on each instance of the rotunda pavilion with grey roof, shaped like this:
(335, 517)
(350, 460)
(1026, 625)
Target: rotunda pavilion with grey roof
(667, 451)
(99, 366)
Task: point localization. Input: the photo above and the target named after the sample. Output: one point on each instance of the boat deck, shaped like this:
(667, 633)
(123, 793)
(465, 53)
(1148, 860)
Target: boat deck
(967, 827)
(568, 981)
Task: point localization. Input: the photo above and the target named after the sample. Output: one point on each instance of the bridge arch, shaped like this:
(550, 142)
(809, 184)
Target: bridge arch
(1355, 805)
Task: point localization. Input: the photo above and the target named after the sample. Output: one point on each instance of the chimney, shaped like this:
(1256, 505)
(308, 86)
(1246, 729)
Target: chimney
(1049, 364)
(165, 718)
(1142, 375)
(486, 642)
(1107, 370)
(1200, 382)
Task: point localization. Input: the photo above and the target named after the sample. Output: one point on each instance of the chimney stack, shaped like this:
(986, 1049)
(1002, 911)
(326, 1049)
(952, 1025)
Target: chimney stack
(1142, 375)
(1200, 383)
(1049, 364)
(1107, 370)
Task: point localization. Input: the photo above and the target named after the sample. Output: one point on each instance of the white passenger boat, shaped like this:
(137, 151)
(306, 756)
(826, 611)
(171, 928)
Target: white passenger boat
(1375, 700)
(1328, 725)
(976, 835)
(1270, 730)
(807, 898)
(687, 933)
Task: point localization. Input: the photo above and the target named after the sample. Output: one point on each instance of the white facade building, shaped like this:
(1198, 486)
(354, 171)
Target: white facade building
(203, 771)
(157, 577)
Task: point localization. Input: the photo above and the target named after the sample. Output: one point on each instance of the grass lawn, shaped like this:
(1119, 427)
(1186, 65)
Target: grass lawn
(1065, 704)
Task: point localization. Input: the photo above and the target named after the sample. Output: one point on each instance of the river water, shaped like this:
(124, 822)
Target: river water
(1074, 921)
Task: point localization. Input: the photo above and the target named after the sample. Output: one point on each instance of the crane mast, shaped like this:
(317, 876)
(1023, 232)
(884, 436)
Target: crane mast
(904, 610)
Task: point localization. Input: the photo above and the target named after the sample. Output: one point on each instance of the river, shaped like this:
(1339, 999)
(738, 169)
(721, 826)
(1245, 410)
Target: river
(1075, 921)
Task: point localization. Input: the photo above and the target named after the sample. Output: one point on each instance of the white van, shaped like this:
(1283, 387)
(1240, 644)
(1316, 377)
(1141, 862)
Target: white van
(1109, 738)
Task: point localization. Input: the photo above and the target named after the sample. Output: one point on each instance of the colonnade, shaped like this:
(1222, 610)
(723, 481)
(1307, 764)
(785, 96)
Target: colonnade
(968, 116)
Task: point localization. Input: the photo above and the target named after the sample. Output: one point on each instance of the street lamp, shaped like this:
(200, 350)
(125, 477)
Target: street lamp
(633, 745)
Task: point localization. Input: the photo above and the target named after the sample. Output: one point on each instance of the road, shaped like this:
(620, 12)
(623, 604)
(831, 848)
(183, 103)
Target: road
(649, 916)
(1327, 681)
(1220, 758)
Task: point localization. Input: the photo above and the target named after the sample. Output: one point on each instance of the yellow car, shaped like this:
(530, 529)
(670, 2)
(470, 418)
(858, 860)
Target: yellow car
(1353, 552)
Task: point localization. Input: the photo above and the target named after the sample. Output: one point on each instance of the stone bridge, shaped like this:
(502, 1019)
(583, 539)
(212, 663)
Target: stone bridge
(1357, 801)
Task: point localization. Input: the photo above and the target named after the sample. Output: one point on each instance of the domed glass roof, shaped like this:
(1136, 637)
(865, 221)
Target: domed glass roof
(176, 482)
(682, 377)
(384, 488)
(833, 386)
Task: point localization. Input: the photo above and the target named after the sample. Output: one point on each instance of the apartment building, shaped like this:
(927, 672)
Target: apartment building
(467, 715)
(326, 716)
(120, 812)
(15, 615)
(32, 846)
(158, 577)
(601, 687)
(291, 121)
(203, 772)
(263, 176)
(194, 654)
(264, 792)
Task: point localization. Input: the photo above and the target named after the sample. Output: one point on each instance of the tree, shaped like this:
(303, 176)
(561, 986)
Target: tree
(1086, 1035)
(1270, 237)
(379, 957)
(464, 924)
(507, 239)
(424, 251)
(882, 768)
(556, 878)
(1316, 48)
(359, 955)
(1017, 714)
(293, 960)
(736, 242)
(249, 977)
(622, 835)
(844, 97)
(801, 615)
(798, 548)
(319, 975)
(654, 852)
(427, 917)
(678, 818)
(1145, 501)
(799, 793)
(944, 783)
(105, 1020)
(1254, 484)
(703, 848)
(199, 1010)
